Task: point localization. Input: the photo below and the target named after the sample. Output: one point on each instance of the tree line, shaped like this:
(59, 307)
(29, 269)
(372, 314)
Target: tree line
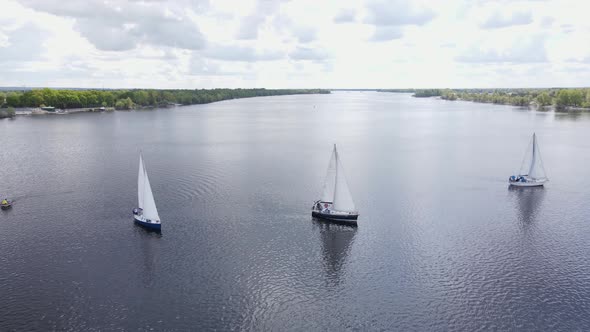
(7, 112)
(560, 98)
(128, 99)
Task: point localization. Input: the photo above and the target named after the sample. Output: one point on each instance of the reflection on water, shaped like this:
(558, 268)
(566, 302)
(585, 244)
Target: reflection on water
(149, 253)
(448, 247)
(571, 115)
(527, 203)
(336, 243)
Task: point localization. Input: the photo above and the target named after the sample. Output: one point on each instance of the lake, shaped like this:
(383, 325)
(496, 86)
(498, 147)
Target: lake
(442, 243)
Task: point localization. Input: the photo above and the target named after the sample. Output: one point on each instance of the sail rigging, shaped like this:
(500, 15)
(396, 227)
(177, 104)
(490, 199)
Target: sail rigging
(532, 165)
(342, 197)
(140, 183)
(330, 181)
(335, 188)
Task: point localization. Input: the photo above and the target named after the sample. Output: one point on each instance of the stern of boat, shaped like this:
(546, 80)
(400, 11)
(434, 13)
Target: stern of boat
(141, 221)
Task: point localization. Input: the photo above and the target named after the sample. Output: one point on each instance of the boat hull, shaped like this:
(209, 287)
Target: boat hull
(5, 207)
(148, 225)
(348, 219)
(528, 184)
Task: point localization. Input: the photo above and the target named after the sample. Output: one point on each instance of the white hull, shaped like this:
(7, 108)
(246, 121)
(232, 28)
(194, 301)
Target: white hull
(336, 214)
(528, 183)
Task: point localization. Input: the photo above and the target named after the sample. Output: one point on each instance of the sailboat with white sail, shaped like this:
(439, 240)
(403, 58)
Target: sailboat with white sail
(145, 214)
(532, 172)
(336, 203)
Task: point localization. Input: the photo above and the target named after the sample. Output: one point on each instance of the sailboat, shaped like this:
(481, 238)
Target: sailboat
(146, 214)
(336, 202)
(532, 172)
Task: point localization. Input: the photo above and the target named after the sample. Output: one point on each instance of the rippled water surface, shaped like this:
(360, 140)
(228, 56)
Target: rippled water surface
(442, 243)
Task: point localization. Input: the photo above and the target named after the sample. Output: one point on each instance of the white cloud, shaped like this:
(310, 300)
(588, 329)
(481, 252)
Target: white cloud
(288, 27)
(249, 27)
(397, 13)
(387, 33)
(308, 53)
(547, 22)
(293, 43)
(200, 66)
(241, 53)
(251, 23)
(346, 15)
(123, 25)
(525, 49)
(582, 59)
(503, 20)
(389, 17)
(23, 44)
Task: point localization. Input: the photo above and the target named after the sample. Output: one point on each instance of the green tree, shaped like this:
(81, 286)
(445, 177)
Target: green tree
(544, 99)
(587, 101)
(577, 98)
(49, 96)
(13, 100)
(566, 98)
(141, 97)
(127, 99)
(124, 104)
(449, 95)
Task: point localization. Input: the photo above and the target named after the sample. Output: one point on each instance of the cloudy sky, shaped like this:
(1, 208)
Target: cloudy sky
(292, 44)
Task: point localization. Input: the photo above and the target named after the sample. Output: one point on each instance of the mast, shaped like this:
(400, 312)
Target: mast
(532, 168)
(145, 180)
(336, 176)
(141, 183)
(330, 180)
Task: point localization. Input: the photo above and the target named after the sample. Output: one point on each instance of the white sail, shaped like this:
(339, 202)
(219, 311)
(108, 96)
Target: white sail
(330, 181)
(149, 205)
(342, 197)
(140, 183)
(536, 171)
(532, 165)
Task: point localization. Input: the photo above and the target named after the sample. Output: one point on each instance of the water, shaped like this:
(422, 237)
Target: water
(442, 243)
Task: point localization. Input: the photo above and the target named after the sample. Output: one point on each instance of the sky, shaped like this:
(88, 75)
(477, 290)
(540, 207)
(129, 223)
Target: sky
(294, 44)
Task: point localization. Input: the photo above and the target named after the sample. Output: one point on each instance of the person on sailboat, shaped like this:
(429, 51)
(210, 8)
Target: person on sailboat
(5, 202)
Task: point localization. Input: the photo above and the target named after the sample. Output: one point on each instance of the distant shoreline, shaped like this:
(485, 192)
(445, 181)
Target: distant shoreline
(558, 99)
(549, 108)
(53, 101)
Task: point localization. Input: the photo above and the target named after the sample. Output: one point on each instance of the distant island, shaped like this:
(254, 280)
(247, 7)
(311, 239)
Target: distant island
(50, 99)
(560, 98)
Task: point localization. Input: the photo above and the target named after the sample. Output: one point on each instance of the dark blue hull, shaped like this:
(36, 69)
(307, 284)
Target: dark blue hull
(147, 225)
(349, 220)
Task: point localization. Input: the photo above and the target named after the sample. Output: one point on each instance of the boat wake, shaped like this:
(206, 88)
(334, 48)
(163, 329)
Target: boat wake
(190, 185)
(53, 193)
